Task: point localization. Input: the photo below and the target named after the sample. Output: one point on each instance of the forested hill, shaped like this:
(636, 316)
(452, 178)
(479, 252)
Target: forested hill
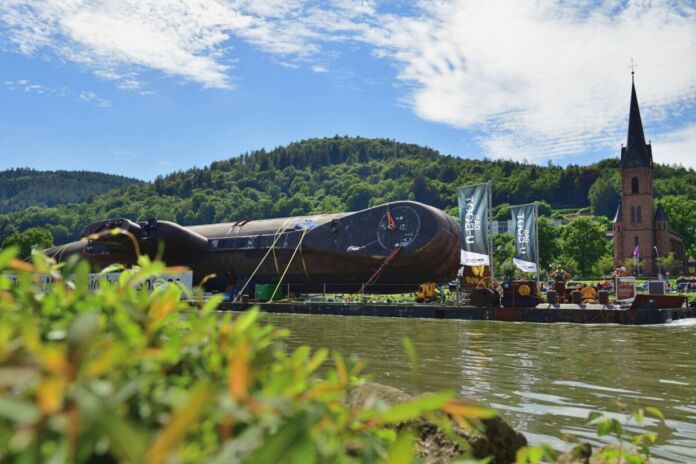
(341, 174)
(22, 188)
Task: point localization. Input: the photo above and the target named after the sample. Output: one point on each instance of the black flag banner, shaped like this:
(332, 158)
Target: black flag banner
(474, 207)
(524, 220)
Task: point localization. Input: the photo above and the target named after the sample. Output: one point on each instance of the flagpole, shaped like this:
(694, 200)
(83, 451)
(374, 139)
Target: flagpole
(536, 237)
(490, 227)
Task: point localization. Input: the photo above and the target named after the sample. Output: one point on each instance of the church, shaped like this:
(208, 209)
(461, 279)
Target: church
(640, 230)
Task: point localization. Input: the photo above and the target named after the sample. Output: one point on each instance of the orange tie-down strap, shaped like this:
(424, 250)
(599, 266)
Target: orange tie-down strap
(377, 273)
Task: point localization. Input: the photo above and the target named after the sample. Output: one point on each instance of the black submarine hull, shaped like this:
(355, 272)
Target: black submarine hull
(406, 243)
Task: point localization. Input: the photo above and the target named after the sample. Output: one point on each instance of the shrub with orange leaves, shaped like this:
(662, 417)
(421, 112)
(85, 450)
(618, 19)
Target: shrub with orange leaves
(125, 375)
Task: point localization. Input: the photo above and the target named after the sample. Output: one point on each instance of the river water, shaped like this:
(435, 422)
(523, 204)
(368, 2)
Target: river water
(543, 379)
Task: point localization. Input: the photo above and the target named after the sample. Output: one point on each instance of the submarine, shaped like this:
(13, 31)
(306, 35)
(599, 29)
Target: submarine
(390, 248)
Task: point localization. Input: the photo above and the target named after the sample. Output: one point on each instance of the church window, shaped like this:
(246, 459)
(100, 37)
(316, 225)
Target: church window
(634, 185)
(638, 218)
(633, 214)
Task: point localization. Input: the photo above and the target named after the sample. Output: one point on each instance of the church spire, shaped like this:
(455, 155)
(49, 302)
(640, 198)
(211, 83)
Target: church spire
(636, 153)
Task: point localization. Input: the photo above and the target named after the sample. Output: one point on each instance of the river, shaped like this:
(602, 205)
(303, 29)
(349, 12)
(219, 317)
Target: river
(543, 379)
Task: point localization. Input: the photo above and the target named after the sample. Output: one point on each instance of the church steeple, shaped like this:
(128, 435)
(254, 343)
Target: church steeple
(636, 153)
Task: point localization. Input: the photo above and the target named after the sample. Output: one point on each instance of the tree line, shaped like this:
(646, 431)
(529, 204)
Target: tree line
(24, 187)
(346, 174)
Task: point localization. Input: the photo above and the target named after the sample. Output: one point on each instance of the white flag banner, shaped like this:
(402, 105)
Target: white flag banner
(524, 220)
(473, 214)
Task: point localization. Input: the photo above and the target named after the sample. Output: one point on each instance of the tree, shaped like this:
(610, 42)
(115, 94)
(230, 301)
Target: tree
(584, 240)
(668, 263)
(604, 197)
(501, 212)
(358, 196)
(681, 212)
(549, 246)
(604, 266)
(29, 240)
(544, 208)
(503, 248)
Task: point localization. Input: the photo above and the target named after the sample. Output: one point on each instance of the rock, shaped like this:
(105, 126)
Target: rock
(580, 454)
(498, 439)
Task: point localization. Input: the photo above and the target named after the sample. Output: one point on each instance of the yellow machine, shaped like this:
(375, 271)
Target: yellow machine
(427, 293)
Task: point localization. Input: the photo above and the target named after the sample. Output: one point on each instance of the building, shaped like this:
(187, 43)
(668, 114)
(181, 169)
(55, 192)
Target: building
(640, 230)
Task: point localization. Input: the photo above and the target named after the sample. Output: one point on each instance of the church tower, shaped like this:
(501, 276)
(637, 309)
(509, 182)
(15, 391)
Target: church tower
(634, 231)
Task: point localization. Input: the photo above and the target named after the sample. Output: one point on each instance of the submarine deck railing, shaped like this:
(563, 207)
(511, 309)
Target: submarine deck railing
(351, 292)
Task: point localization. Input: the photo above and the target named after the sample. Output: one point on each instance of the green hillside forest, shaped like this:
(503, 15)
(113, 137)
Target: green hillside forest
(22, 188)
(326, 175)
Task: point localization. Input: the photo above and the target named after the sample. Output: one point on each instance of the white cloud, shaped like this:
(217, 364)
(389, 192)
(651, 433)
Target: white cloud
(190, 39)
(25, 86)
(91, 97)
(530, 79)
(114, 37)
(677, 147)
(87, 96)
(541, 79)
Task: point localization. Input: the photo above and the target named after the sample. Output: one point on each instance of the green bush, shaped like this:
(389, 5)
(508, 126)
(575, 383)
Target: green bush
(120, 374)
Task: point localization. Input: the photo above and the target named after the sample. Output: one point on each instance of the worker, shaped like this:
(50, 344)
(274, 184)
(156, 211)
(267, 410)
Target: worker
(560, 277)
(231, 289)
(620, 272)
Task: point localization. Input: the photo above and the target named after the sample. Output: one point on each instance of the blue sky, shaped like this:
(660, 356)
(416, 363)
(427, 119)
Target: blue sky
(142, 88)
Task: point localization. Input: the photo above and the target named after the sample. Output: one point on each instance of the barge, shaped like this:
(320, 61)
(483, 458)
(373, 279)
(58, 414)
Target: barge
(542, 313)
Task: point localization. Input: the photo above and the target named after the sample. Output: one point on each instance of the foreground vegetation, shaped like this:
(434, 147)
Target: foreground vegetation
(134, 376)
(122, 375)
(347, 174)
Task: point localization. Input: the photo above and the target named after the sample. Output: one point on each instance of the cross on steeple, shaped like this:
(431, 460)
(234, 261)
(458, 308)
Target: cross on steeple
(633, 69)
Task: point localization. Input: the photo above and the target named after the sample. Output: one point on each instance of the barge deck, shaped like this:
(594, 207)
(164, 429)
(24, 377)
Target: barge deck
(543, 313)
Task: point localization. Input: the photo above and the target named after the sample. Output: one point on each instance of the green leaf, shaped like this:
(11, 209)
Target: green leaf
(317, 360)
(639, 415)
(401, 451)
(81, 334)
(127, 440)
(201, 396)
(276, 447)
(616, 427)
(631, 458)
(300, 355)
(212, 303)
(19, 411)
(412, 409)
(593, 416)
(529, 455)
(6, 255)
(653, 411)
(246, 320)
(604, 427)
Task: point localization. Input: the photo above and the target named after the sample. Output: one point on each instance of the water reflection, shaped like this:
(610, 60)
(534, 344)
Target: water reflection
(543, 378)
